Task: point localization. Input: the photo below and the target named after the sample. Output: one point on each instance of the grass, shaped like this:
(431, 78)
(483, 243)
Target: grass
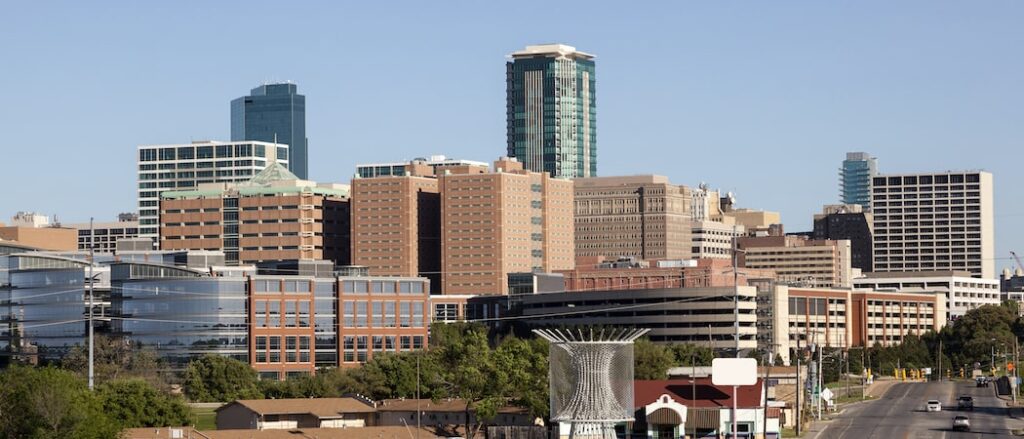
(790, 432)
(204, 418)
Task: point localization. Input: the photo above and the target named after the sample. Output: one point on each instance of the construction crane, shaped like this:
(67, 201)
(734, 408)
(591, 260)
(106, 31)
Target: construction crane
(1017, 258)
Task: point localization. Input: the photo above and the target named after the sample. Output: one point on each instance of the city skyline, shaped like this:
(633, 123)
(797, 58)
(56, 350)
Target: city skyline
(842, 94)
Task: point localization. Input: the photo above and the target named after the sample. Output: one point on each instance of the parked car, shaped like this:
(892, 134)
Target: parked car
(933, 406)
(982, 382)
(961, 423)
(965, 403)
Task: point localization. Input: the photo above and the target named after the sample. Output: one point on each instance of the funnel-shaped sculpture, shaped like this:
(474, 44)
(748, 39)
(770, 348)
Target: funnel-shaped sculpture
(591, 378)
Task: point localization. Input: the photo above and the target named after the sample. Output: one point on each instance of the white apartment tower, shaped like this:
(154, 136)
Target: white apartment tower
(185, 166)
(934, 222)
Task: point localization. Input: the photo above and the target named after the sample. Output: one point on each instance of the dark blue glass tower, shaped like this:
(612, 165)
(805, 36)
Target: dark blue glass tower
(274, 110)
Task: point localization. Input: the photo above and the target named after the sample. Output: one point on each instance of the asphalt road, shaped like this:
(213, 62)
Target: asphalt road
(900, 414)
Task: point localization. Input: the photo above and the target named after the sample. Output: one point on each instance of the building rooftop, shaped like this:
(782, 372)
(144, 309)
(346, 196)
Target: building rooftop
(708, 395)
(319, 407)
(291, 433)
(914, 274)
(550, 50)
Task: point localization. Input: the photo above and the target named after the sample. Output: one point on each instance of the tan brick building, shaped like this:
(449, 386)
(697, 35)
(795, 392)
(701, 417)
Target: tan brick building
(274, 216)
(820, 263)
(642, 216)
(396, 223)
(505, 221)
(46, 238)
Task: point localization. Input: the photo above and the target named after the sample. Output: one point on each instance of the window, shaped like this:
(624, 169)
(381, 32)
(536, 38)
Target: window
(204, 152)
(275, 349)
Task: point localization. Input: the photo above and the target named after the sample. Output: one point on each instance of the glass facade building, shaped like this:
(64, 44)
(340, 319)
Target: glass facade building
(855, 179)
(43, 303)
(184, 167)
(179, 312)
(274, 113)
(551, 114)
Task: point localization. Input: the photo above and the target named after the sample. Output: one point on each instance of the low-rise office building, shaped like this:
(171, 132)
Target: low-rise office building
(843, 318)
(46, 238)
(272, 216)
(103, 236)
(961, 291)
(818, 263)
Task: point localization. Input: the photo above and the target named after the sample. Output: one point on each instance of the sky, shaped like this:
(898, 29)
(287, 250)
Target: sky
(759, 98)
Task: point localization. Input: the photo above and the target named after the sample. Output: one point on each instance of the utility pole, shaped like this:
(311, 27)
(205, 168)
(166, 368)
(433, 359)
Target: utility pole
(821, 380)
(767, 376)
(92, 261)
(418, 412)
(693, 379)
(736, 317)
(799, 388)
(1013, 388)
(940, 360)
(736, 291)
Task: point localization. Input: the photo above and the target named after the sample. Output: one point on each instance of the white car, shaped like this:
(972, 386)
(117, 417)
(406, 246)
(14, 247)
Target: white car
(933, 406)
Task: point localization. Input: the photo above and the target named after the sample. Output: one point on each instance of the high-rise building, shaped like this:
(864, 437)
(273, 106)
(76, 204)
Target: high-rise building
(855, 178)
(936, 221)
(438, 163)
(274, 216)
(847, 221)
(396, 223)
(551, 113)
(506, 221)
(642, 216)
(797, 260)
(184, 167)
(274, 113)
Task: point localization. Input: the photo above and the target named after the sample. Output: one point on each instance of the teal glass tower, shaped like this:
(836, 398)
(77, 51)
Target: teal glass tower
(855, 179)
(274, 113)
(551, 113)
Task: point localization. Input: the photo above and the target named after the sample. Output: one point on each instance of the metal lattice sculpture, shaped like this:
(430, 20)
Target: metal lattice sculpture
(591, 378)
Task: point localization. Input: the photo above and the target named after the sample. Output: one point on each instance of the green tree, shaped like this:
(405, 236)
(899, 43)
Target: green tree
(686, 354)
(50, 403)
(526, 364)
(136, 403)
(651, 361)
(464, 368)
(213, 378)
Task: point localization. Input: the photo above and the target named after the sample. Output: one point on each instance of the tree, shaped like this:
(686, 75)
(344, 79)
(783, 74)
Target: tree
(686, 353)
(526, 363)
(464, 368)
(50, 403)
(651, 361)
(114, 358)
(213, 378)
(136, 403)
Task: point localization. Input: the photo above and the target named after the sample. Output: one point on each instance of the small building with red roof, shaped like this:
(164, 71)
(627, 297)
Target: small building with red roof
(699, 409)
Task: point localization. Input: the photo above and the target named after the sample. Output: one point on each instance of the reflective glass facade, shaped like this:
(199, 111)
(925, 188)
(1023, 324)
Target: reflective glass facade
(42, 301)
(855, 179)
(551, 113)
(274, 110)
(178, 314)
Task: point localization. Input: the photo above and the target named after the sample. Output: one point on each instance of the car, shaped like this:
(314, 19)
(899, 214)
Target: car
(965, 403)
(933, 406)
(982, 382)
(961, 423)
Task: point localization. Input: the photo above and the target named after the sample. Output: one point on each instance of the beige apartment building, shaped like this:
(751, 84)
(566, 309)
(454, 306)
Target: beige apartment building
(273, 216)
(396, 223)
(642, 216)
(795, 259)
(505, 221)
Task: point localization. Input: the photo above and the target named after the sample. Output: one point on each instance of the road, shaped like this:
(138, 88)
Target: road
(899, 414)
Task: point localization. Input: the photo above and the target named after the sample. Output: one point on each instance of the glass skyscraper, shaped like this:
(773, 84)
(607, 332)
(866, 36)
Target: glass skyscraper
(274, 112)
(550, 111)
(855, 179)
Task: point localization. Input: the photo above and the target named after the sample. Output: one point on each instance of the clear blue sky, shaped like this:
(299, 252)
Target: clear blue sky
(759, 98)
